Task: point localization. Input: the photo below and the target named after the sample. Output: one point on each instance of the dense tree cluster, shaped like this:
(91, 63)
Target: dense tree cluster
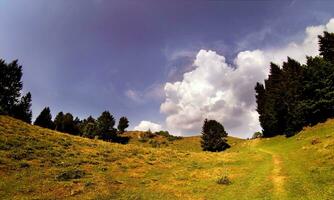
(213, 136)
(11, 100)
(100, 128)
(296, 95)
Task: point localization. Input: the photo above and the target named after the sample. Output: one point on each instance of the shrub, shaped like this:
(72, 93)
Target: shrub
(224, 180)
(257, 135)
(168, 136)
(70, 174)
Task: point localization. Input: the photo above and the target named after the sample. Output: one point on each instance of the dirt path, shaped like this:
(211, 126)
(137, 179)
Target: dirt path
(276, 176)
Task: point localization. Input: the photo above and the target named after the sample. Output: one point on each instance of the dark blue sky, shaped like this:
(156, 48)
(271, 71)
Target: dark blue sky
(84, 56)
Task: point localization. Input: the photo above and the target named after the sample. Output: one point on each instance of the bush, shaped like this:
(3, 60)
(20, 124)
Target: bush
(168, 136)
(257, 135)
(70, 174)
(224, 180)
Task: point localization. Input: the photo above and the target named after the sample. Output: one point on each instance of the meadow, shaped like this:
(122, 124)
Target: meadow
(38, 163)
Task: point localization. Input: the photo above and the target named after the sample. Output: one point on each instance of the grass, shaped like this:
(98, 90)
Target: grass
(37, 163)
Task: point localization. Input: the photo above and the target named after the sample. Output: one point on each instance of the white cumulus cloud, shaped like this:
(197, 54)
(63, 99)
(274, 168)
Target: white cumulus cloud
(225, 92)
(147, 125)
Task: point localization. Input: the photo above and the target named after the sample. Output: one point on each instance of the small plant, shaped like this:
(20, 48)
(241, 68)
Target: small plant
(224, 180)
(70, 174)
(24, 165)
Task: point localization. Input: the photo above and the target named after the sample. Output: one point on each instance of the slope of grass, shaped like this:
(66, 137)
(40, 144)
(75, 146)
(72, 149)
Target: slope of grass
(37, 163)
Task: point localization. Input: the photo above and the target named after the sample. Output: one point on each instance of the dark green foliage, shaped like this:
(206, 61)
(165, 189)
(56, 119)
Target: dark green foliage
(123, 124)
(65, 123)
(69, 125)
(213, 136)
(58, 122)
(297, 95)
(22, 110)
(326, 44)
(105, 126)
(88, 127)
(10, 92)
(10, 85)
(168, 136)
(44, 119)
(257, 135)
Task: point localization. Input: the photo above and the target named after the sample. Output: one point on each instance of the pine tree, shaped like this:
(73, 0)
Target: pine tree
(298, 95)
(213, 136)
(326, 44)
(22, 110)
(273, 107)
(44, 119)
(58, 122)
(68, 124)
(105, 126)
(10, 85)
(123, 124)
(10, 92)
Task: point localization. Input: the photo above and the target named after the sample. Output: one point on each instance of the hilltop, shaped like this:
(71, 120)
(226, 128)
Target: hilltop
(38, 163)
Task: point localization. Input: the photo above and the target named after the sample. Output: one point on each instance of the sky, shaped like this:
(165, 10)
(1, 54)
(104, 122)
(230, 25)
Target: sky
(166, 65)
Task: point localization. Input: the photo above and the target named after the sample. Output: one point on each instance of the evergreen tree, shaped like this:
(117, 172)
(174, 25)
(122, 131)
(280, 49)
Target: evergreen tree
(10, 85)
(298, 95)
(68, 124)
(22, 110)
(326, 44)
(10, 92)
(213, 136)
(292, 87)
(44, 119)
(123, 124)
(88, 127)
(105, 126)
(59, 122)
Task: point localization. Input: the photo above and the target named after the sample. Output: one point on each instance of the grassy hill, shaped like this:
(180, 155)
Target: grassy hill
(37, 163)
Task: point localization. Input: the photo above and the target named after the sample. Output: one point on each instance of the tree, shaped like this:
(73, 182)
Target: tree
(10, 85)
(326, 44)
(22, 110)
(88, 127)
(123, 124)
(68, 124)
(44, 119)
(58, 122)
(213, 136)
(105, 126)
(269, 106)
(298, 95)
(10, 92)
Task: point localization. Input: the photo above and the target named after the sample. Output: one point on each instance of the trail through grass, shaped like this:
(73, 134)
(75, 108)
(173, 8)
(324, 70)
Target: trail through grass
(276, 175)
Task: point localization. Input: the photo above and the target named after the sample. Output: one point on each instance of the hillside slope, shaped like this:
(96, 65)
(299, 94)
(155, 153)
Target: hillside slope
(37, 163)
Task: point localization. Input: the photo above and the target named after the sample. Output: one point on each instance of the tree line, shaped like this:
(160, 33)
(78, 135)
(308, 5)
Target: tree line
(100, 128)
(17, 105)
(296, 95)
